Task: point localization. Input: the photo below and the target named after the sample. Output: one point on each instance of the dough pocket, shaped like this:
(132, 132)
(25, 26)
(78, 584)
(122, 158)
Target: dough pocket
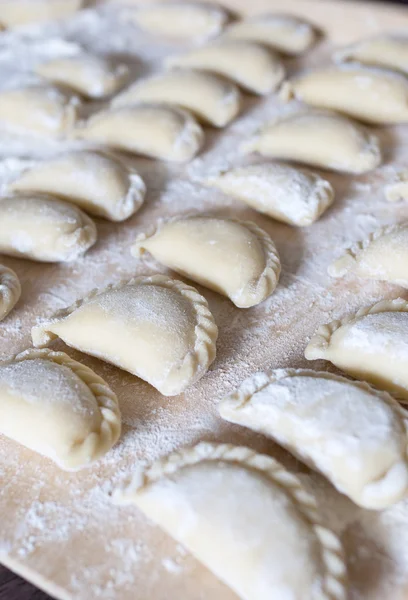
(235, 258)
(57, 407)
(10, 291)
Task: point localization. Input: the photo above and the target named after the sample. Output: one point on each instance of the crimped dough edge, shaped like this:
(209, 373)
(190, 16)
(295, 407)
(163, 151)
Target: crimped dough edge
(268, 279)
(331, 549)
(320, 341)
(97, 443)
(10, 291)
(194, 364)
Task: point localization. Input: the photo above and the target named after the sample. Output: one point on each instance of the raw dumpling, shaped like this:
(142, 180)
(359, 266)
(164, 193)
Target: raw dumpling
(371, 95)
(180, 19)
(99, 184)
(211, 99)
(382, 51)
(398, 189)
(383, 256)
(88, 75)
(235, 258)
(294, 196)
(44, 228)
(252, 66)
(320, 139)
(371, 345)
(162, 132)
(246, 519)
(58, 407)
(23, 12)
(38, 109)
(285, 33)
(348, 431)
(159, 329)
(10, 291)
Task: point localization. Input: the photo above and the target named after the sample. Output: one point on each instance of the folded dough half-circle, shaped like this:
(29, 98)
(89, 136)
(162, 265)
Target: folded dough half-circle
(347, 430)
(38, 110)
(389, 51)
(235, 258)
(58, 407)
(155, 327)
(245, 518)
(184, 20)
(10, 291)
(372, 95)
(284, 33)
(210, 98)
(86, 74)
(252, 66)
(371, 345)
(289, 194)
(158, 131)
(99, 184)
(24, 12)
(383, 256)
(44, 228)
(318, 138)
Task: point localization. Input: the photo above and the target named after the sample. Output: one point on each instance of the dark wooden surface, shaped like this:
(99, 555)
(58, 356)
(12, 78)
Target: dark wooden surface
(13, 587)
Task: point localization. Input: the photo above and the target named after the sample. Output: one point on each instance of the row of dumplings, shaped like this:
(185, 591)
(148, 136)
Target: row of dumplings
(352, 433)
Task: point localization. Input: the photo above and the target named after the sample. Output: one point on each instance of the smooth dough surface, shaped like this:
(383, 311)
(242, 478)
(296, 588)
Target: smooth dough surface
(294, 196)
(320, 139)
(235, 258)
(348, 431)
(162, 132)
(10, 291)
(382, 51)
(86, 74)
(57, 407)
(244, 517)
(180, 19)
(372, 95)
(371, 345)
(211, 99)
(38, 109)
(44, 228)
(383, 256)
(285, 33)
(157, 328)
(252, 66)
(23, 12)
(97, 183)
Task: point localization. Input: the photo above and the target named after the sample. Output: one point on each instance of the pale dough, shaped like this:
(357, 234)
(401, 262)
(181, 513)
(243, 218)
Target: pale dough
(211, 99)
(97, 183)
(10, 291)
(284, 33)
(317, 138)
(383, 256)
(38, 109)
(89, 75)
(250, 65)
(369, 94)
(291, 195)
(44, 228)
(162, 132)
(383, 51)
(23, 12)
(157, 328)
(235, 258)
(196, 20)
(397, 189)
(371, 345)
(348, 431)
(58, 407)
(246, 518)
